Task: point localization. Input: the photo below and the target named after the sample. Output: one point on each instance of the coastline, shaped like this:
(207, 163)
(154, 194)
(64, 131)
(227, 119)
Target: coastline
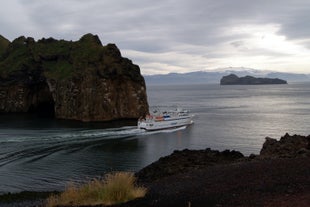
(278, 176)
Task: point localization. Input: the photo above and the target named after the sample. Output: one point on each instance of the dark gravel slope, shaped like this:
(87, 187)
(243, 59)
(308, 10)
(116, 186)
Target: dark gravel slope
(277, 182)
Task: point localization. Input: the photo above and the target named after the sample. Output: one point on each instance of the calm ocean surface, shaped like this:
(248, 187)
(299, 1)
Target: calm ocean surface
(44, 154)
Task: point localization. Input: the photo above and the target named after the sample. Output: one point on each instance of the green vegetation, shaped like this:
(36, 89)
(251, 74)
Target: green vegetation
(87, 50)
(61, 59)
(4, 43)
(60, 69)
(58, 59)
(15, 57)
(116, 188)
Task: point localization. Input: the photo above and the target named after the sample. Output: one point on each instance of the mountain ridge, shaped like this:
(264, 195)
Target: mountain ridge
(214, 76)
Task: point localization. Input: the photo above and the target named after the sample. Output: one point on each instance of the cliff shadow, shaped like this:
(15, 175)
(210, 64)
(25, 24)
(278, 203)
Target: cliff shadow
(42, 102)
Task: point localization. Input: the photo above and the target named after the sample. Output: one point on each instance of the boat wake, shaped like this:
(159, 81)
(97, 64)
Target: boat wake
(38, 144)
(78, 135)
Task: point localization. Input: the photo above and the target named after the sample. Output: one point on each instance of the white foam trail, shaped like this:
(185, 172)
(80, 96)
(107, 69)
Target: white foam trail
(47, 142)
(84, 135)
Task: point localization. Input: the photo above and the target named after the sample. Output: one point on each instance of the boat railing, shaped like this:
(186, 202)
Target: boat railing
(159, 113)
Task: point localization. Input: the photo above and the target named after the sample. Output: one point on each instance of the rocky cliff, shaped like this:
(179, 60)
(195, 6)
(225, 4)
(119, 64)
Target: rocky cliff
(4, 43)
(233, 79)
(295, 146)
(287, 147)
(80, 80)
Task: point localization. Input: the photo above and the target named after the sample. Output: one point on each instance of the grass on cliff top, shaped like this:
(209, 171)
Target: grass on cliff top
(59, 59)
(4, 43)
(116, 188)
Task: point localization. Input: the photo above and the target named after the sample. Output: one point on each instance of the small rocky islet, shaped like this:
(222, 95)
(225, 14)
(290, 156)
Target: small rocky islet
(233, 79)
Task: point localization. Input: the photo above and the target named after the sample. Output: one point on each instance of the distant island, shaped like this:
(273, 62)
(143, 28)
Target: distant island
(214, 76)
(233, 79)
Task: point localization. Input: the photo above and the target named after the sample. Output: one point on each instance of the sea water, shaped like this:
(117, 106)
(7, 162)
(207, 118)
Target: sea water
(40, 154)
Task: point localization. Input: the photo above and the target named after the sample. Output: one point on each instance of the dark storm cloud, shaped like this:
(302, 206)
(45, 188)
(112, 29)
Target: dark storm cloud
(193, 22)
(196, 27)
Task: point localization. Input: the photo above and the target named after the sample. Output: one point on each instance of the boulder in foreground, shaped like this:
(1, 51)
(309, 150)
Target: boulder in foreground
(287, 147)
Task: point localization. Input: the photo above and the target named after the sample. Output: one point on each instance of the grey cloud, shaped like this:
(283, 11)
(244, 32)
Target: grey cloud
(238, 43)
(194, 22)
(183, 21)
(162, 25)
(298, 26)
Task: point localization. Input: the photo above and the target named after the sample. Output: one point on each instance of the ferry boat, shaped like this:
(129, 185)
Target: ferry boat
(165, 120)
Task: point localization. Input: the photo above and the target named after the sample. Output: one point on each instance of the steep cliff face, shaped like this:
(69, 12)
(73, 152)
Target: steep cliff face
(26, 93)
(80, 80)
(95, 98)
(4, 43)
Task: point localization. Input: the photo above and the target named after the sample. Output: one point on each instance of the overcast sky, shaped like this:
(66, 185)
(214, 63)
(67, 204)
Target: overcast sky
(165, 36)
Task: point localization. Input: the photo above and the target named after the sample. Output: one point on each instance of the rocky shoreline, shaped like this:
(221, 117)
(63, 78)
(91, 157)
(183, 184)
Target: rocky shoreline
(295, 146)
(278, 176)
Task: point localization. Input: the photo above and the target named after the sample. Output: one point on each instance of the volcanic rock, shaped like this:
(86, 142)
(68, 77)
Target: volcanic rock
(80, 80)
(295, 146)
(287, 147)
(186, 160)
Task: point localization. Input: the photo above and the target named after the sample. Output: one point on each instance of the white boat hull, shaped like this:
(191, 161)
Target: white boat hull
(151, 125)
